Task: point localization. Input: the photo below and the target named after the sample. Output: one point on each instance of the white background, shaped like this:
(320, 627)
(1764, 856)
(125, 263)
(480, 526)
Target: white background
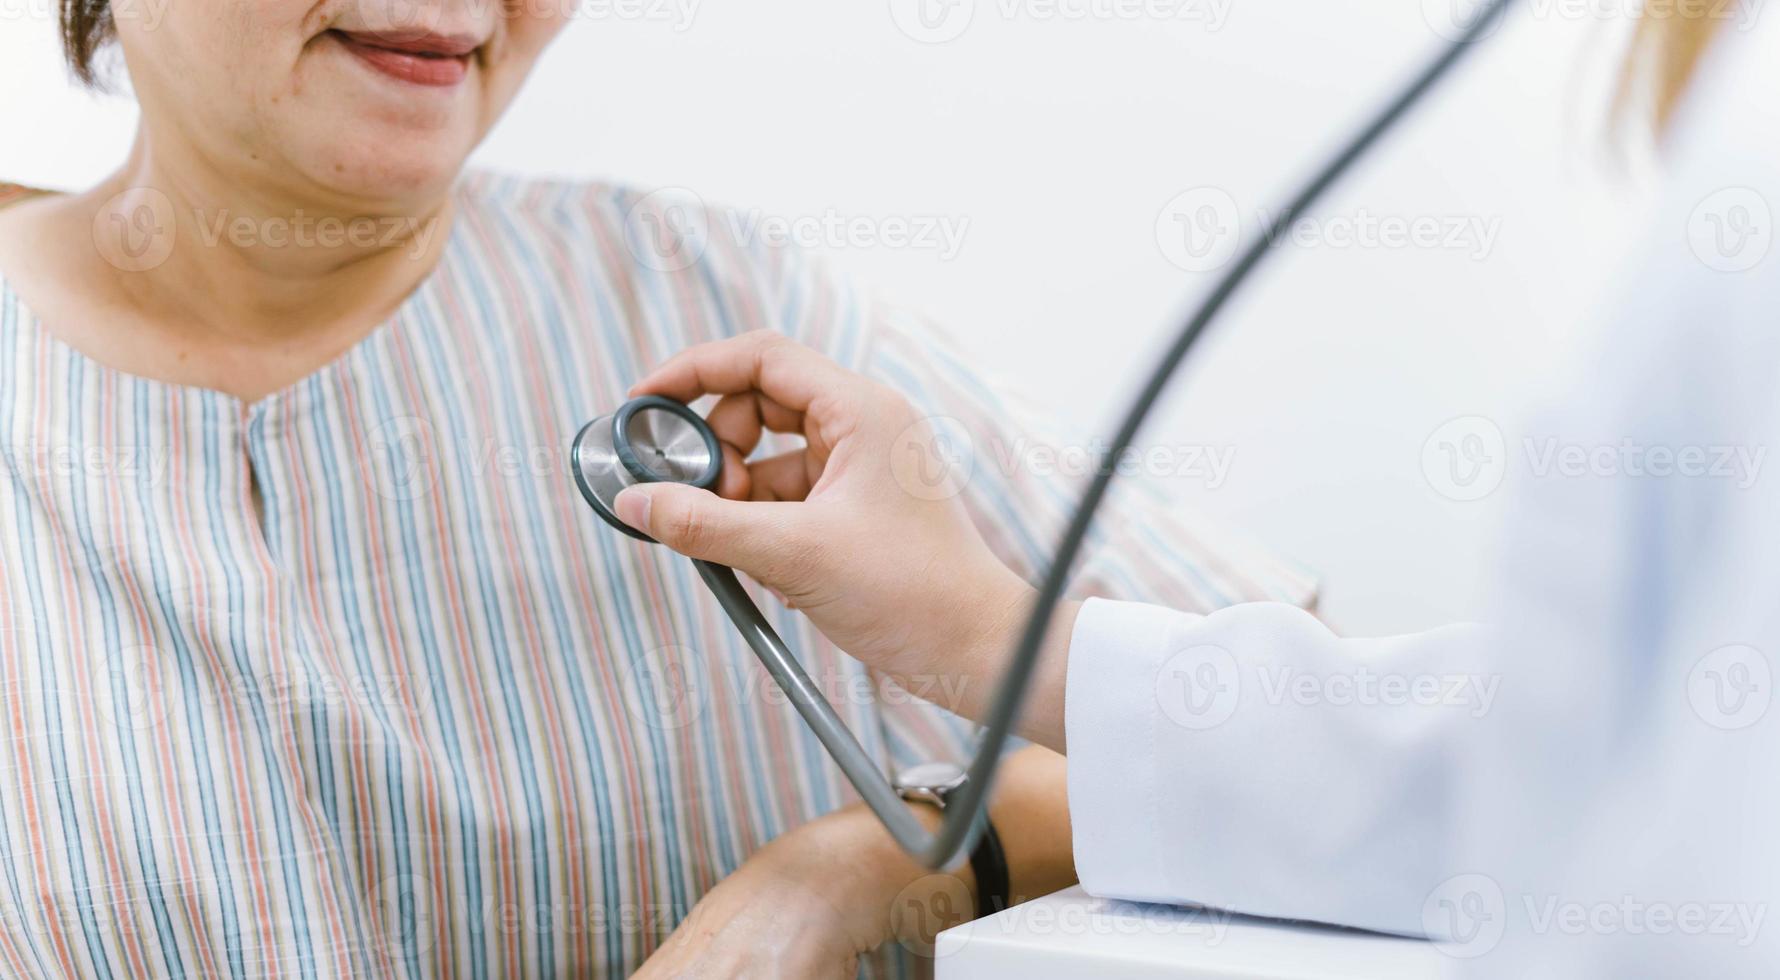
(1055, 133)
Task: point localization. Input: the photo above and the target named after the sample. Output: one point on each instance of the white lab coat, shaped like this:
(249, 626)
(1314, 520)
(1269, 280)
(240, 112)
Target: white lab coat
(1589, 786)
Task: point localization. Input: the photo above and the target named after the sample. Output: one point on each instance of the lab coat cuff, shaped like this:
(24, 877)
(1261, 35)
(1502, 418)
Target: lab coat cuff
(1111, 718)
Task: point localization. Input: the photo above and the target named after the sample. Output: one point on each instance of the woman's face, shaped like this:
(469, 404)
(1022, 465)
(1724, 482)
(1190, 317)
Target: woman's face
(366, 104)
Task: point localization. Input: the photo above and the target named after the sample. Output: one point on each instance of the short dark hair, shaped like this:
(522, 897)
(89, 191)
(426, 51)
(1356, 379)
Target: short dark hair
(86, 26)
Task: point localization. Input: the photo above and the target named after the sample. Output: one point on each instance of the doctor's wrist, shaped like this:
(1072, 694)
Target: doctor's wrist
(967, 634)
(967, 677)
(1041, 716)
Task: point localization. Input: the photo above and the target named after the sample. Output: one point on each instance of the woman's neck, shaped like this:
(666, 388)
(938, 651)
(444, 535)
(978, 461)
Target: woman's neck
(170, 271)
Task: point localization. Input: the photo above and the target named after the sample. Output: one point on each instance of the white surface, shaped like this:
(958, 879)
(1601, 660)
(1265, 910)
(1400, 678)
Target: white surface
(1055, 144)
(1069, 935)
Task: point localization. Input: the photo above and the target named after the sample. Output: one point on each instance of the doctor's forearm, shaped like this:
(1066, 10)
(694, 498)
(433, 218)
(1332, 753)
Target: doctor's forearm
(967, 678)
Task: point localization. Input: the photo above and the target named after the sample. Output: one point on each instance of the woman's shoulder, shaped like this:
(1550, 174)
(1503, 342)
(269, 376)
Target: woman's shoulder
(12, 197)
(516, 193)
(10, 193)
(573, 203)
(669, 251)
(21, 229)
(661, 235)
(650, 230)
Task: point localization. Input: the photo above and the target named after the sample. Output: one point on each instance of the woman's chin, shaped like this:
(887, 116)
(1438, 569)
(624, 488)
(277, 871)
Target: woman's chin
(374, 138)
(393, 167)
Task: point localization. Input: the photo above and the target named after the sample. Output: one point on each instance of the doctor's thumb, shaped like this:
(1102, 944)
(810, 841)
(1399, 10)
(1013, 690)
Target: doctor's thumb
(697, 523)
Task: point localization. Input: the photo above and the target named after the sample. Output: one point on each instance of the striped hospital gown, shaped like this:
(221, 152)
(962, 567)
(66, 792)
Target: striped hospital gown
(428, 717)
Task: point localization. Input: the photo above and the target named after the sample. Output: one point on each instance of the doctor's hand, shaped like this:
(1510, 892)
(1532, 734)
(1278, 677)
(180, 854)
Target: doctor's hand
(898, 580)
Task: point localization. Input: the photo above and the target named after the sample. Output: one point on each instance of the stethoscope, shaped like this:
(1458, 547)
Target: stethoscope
(657, 440)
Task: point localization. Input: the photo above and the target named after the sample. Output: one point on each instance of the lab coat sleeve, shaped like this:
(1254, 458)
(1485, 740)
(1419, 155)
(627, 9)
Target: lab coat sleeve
(1251, 761)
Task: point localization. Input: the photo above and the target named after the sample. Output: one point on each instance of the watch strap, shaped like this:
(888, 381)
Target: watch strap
(989, 864)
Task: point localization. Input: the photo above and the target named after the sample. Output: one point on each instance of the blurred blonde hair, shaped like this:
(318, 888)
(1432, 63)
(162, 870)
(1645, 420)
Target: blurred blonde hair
(1667, 48)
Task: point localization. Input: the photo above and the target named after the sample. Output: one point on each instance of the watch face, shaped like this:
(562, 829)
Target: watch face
(933, 777)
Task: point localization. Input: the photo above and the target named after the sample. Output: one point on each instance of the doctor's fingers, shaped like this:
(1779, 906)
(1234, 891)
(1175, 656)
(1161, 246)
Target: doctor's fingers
(740, 419)
(736, 482)
(762, 539)
(785, 371)
(738, 422)
(785, 477)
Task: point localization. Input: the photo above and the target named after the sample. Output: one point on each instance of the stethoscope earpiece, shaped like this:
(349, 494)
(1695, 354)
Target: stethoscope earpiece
(649, 440)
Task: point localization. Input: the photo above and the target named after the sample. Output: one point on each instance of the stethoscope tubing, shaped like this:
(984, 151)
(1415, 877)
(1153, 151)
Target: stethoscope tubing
(966, 808)
(963, 823)
(855, 763)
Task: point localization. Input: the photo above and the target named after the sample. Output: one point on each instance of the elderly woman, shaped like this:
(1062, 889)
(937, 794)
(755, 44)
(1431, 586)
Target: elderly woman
(314, 661)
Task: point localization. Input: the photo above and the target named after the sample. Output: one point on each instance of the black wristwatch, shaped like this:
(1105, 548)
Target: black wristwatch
(935, 783)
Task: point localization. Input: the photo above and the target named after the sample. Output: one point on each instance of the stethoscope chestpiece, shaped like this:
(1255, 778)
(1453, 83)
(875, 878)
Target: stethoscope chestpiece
(658, 440)
(649, 440)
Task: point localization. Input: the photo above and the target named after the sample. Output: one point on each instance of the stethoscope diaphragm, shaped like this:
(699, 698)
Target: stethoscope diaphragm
(649, 440)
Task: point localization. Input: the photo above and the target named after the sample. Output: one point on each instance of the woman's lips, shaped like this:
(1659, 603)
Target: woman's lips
(425, 59)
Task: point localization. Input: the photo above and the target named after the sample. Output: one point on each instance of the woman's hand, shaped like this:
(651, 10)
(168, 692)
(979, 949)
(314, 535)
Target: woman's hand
(806, 906)
(899, 580)
(759, 922)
